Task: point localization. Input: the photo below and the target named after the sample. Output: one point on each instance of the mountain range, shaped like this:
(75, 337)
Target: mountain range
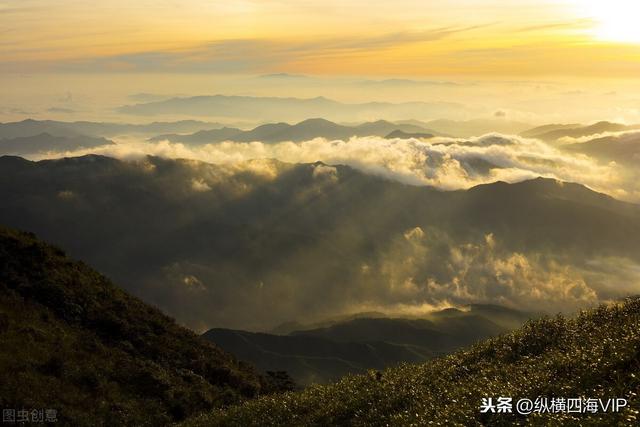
(400, 134)
(469, 128)
(44, 142)
(551, 133)
(303, 131)
(321, 355)
(30, 127)
(623, 149)
(251, 245)
(295, 109)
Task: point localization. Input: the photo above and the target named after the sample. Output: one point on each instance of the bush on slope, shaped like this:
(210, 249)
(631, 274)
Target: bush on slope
(72, 341)
(594, 355)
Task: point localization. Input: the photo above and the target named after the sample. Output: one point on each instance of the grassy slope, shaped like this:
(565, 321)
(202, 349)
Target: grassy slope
(72, 341)
(595, 355)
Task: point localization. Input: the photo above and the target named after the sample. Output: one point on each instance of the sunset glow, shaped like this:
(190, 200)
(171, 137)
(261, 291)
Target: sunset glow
(331, 37)
(320, 212)
(616, 20)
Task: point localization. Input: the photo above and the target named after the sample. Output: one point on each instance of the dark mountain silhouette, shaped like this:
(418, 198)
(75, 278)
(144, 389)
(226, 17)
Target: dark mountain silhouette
(32, 127)
(544, 129)
(438, 337)
(310, 359)
(398, 134)
(45, 142)
(267, 132)
(215, 246)
(286, 328)
(303, 131)
(361, 343)
(74, 342)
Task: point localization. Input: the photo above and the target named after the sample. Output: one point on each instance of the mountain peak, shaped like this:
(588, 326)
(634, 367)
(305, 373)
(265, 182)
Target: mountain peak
(315, 121)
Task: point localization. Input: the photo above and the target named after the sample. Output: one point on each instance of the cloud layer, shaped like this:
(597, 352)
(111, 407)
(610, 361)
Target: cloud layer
(444, 163)
(316, 240)
(422, 270)
(428, 268)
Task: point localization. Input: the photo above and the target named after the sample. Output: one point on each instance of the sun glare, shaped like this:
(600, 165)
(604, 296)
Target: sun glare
(616, 20)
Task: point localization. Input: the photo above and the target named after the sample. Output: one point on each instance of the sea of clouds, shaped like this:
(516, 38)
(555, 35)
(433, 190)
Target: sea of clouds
(445, 163)
(423, 269)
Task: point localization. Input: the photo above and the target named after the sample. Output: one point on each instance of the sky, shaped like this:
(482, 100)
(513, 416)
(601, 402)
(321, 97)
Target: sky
(537, 60)
(329, 37)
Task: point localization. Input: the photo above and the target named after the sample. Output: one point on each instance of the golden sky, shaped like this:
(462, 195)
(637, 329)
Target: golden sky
(330, 37)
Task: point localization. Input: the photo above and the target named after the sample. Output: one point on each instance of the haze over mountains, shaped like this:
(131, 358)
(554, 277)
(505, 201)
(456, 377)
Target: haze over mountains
(255, 244)
(623, 148)
(400, 222)
(557, 132)
(320, 213)
(32, 127)
(196, 131)
(88, 339)
(45, 142)
(531, 101)
(303, 131)
(315, 249)
(276, 108)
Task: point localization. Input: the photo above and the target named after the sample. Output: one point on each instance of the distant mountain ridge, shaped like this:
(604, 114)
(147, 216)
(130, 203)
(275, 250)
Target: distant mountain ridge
(252, 232)
(545, 129)
(552, 133)
(313, 360)
(31, 127)
(399, 134)
(303, 131)
(45, 142)
(354, 346)
(624, 149)
(474, 127)
(282, 108)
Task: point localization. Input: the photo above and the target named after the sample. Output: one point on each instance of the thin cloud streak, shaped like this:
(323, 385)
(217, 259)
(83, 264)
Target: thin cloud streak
(245, 55)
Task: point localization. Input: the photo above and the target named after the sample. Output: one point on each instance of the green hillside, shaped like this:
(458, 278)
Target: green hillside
(73, 342)
(594, 355)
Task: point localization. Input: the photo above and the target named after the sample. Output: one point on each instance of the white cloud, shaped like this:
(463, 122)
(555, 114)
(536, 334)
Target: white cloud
(329, 173)
(199, 185)
(444, 163)
(428, 267)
